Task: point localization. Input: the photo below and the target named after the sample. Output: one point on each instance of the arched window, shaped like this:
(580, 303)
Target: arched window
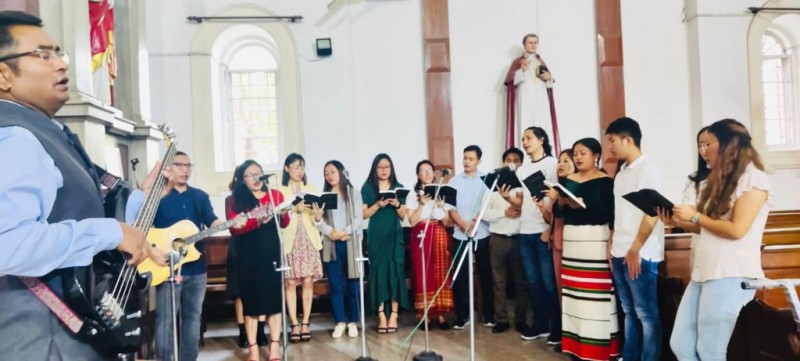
(251, 125)
(246, 100)
(780, 108)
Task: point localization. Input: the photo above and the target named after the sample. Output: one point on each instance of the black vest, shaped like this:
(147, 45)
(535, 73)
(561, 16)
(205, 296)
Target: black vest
(37, 334)
(79, 198)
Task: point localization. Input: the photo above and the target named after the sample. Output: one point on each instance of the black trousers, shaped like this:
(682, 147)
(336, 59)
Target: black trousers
(461, 285)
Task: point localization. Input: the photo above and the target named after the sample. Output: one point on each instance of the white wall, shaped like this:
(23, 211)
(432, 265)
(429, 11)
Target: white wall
(486, 36)
(656, 86)
(365, 99)
(369, 96)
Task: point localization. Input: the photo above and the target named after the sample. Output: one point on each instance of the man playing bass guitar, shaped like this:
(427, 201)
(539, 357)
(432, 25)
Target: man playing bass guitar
(51, 211)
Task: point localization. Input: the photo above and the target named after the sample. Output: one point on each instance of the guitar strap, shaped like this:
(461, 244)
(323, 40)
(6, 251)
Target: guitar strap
(45, 294)
(54, 303)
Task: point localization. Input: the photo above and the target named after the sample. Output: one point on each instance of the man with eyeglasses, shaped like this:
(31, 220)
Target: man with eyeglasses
(51, 211)
(183, 202)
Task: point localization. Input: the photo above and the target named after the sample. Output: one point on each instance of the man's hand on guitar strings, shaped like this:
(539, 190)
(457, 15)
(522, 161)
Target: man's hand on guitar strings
(134, 244)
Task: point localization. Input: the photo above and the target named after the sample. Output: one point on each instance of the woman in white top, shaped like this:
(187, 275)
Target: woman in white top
(696, 180)
(421, 209)
(730, 216)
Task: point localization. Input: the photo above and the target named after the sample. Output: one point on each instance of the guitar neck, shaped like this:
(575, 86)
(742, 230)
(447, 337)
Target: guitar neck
(255, 213)
(210, 231)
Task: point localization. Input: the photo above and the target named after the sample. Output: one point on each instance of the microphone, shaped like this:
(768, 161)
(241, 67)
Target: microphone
(265, 177)
(444, 172)
(346, 175)
(508, 168)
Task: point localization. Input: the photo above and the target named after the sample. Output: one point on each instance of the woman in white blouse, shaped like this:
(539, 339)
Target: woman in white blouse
(730, 216)
(421, 209)
(695, 180)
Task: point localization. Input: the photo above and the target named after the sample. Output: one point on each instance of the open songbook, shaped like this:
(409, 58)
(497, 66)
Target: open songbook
(506, 178)
(397, 193)
(329, 199)
(564, 192)
(446, 192)
(648, 200)
(535, 184)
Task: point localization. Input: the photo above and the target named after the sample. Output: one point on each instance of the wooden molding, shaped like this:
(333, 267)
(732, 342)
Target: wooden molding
(610, 70)
(438, 105)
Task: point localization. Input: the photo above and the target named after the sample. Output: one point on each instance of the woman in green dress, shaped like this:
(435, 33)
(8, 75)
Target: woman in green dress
(387, 284)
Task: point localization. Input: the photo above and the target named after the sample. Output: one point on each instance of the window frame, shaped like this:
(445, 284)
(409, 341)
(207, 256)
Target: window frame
(759, 26)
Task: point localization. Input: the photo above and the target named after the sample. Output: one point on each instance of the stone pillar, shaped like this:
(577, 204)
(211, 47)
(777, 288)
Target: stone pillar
(28, 6)
(100, 126)
(132, 86)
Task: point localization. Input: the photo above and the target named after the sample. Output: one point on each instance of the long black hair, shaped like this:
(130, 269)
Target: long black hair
(291, 158)
(243, 198)
(372, 179)
(418, 186)
(540, 134)
(342, 180)
(702, 166)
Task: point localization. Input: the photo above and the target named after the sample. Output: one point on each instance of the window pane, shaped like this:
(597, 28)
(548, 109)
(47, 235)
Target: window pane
(780, 121)
(255, 128)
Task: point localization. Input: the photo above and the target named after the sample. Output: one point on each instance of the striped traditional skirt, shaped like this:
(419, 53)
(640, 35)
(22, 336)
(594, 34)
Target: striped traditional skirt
(437, 263)
(589, 309)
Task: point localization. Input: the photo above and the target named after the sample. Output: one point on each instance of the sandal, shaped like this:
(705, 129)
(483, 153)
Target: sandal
(294, 337)
(279, 358)
(391, 329)
(250, 347)
(382, 330)
(305, 336)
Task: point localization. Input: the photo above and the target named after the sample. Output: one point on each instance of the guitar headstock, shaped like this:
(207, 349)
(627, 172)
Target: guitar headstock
(167, 133)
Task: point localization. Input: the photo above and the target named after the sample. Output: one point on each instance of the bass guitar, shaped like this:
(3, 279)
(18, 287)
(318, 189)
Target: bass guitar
(105, 295)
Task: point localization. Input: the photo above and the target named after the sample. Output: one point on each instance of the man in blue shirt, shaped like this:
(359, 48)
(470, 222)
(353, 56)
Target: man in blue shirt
(470, 196)
(51, 214)
(182, 203)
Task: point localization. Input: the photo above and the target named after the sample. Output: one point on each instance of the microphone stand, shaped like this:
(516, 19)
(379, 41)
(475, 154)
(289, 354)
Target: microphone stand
(469, 256)
(174, 256)
(282, 270)
(360, 259)
(427, 355)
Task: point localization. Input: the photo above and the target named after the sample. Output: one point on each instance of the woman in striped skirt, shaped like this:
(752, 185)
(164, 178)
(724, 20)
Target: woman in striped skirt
(589, 311)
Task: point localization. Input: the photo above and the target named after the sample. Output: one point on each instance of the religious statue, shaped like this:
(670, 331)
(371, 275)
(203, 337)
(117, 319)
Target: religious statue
(529, 89)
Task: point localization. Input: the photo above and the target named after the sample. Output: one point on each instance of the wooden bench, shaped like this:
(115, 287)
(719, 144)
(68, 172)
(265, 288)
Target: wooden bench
(780, 258)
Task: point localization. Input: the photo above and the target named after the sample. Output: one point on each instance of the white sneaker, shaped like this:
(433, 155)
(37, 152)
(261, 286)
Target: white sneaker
(338, 330)
(352, 329)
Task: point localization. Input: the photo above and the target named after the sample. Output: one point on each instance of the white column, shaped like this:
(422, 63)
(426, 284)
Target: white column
(132, 86)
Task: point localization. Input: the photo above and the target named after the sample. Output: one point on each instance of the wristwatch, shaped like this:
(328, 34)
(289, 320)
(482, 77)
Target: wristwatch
(695, 218)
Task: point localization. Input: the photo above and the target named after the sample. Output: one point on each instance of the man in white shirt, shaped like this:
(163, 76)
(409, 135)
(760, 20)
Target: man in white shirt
(636, 245)
(504, 226)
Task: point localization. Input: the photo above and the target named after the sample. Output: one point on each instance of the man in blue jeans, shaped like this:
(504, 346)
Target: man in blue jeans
(181, 203)
(637, 244)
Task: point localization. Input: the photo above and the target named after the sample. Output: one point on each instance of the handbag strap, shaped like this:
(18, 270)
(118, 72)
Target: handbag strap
(54, 303)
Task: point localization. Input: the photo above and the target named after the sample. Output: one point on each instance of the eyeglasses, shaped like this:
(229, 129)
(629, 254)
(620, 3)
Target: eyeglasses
(183, 165)
(253, 176)
(46, 54)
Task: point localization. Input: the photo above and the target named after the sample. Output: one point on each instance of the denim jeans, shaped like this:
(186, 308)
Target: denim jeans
(639, 299)
(537, 261)
(338, 280)
(706, 318)
(189, 295)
